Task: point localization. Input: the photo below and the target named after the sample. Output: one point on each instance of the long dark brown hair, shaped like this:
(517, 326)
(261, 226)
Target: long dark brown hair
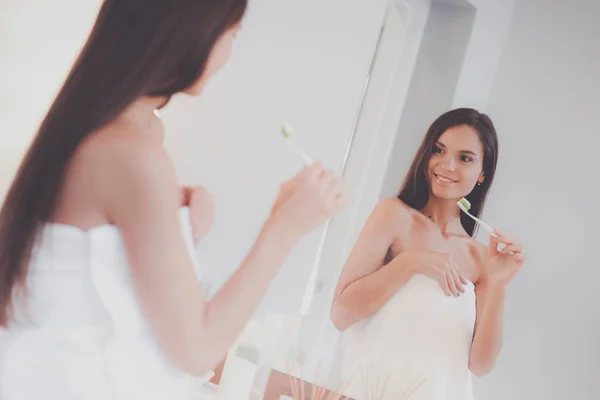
(415, 190)
(136, 48)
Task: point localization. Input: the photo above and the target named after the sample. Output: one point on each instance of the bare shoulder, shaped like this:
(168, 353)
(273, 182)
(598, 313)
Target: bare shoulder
(125, 164)
(123, 145)
(394, 211)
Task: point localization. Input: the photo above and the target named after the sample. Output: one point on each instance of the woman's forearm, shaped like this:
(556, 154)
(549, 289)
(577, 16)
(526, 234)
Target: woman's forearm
(365, 296)
(228, 312)
(487, 337)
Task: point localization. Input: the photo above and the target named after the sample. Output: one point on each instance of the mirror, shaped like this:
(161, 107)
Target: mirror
(530, 67)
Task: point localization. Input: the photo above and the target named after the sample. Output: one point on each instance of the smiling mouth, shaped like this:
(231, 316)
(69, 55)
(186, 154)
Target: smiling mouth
(444, 179)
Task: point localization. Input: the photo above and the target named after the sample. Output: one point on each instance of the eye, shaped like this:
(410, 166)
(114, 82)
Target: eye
(437, 149)
(466, 159)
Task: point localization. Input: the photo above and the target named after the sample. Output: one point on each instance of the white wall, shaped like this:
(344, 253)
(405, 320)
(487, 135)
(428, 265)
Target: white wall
(36, 53)
(433, 85)
(545, 102)
(304, 62)
(488, 36)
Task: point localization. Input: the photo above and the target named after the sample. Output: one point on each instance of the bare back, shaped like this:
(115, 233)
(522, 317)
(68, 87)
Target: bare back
(93, 176)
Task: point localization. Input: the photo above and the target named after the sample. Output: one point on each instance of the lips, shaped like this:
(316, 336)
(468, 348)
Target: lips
(444, 179)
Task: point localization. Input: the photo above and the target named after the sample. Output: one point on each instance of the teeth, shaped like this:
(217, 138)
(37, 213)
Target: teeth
(445, 179)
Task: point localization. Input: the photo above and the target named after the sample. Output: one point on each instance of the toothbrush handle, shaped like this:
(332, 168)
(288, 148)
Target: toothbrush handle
(491, 231)
(307, 160)
(487, 228)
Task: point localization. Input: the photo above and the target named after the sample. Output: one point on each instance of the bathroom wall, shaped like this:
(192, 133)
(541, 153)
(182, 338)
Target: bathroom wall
(301, 62)
(545, 103)
(36, 53)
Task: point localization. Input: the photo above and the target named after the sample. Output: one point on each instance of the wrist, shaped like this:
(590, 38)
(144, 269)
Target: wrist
(281, 232)
(494, 288)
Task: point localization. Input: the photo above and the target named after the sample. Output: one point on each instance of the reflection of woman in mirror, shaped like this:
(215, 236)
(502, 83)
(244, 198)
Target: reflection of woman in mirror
(99, 297)
(419, 296)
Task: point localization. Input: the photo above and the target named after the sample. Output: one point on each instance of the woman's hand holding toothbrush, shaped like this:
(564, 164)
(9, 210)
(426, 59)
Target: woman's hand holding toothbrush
(502, 265)
(309, 199)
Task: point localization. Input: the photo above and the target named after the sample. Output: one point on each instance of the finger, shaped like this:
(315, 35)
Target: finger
(451, 283)
(463, 279)
(307, 174)
(519, 258)
(493, 246)
(186, 194)
(453, 271)
(459, 280)
(341, 203)
(335, 189)
(326, 181)
(316, 170)
(335, 185)
(315, 176)
(502, 238)
(513, 248)
(444, 286)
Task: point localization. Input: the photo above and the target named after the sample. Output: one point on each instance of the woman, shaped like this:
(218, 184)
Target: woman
(98, 291)
(419, 297)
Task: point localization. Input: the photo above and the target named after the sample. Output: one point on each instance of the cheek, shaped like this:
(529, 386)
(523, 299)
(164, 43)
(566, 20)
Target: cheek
(220, 55)
(431, 164)
(195, 89)
(471, 174)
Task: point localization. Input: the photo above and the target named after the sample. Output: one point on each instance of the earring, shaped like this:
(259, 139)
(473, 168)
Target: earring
(478, 183)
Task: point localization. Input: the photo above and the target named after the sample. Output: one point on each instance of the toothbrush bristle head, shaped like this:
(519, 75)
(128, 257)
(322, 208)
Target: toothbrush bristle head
(465, 204)
(286, 131)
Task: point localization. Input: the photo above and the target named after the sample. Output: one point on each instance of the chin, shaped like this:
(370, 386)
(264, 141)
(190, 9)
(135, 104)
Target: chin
(194, 91)
(443, 195)
(446, 193)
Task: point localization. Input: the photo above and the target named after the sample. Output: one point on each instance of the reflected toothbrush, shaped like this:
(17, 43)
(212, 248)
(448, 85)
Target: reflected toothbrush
(465, 205)
(286, 131)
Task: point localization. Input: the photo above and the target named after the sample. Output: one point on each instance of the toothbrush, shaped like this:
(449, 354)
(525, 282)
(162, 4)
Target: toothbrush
(465, 205)
(286, 131)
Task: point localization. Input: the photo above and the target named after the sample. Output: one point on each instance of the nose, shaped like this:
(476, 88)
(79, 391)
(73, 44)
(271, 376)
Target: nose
(449, 164)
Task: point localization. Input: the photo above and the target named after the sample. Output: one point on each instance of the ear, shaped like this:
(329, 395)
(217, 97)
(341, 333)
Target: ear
(481, 178)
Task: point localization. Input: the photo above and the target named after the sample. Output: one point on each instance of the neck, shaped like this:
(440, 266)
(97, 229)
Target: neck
(445, 214)
(144, 112)
(147, 105)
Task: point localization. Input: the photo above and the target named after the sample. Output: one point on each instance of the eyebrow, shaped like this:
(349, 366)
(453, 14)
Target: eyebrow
(469, 152)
